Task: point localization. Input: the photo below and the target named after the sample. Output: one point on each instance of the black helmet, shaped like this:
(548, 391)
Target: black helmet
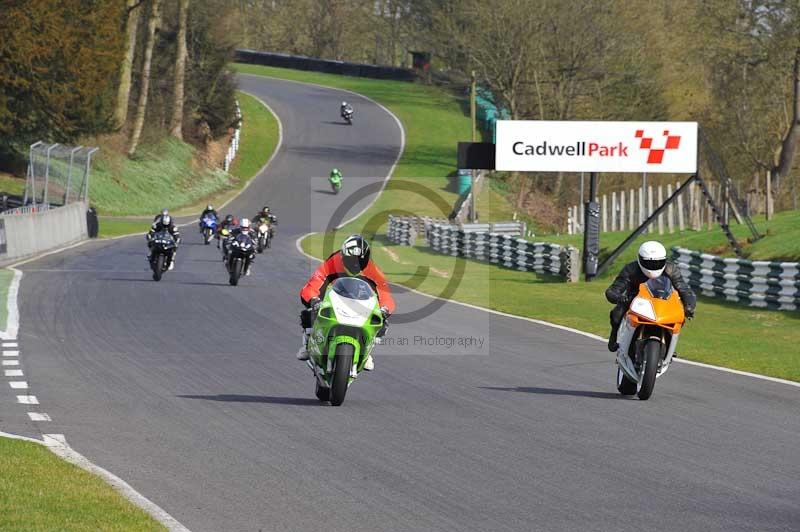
(265, 210)
(355, 254)
(229, 218)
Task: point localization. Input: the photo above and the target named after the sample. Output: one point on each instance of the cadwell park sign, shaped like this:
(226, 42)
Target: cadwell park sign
(563, 146)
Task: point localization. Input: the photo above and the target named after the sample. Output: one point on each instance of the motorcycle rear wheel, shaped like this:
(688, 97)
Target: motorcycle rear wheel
(651, 354)
(322, 393)
(625, 386)
(342, 363)
(207, 236)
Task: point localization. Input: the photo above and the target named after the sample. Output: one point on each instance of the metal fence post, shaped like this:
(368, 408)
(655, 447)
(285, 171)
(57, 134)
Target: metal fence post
(86, 174)
(47, 173)
(69, 172)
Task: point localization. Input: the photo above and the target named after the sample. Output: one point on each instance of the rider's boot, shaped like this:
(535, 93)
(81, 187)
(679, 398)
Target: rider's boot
(302, 354)
(369, 365)
(613, 346)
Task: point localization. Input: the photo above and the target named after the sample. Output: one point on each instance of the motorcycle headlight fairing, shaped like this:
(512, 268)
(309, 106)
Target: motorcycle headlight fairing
(643, 308)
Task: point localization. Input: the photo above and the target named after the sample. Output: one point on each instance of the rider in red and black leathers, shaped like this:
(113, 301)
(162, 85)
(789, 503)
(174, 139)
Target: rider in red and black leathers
(353, 260)
(333, 268)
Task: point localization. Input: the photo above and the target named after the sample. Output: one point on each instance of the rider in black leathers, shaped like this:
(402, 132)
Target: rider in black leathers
(163, 222)
(626, 286)
(209, 210)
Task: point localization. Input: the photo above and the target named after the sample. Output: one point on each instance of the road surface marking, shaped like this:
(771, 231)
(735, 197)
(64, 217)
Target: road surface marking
(13, 373)
(19, 385)
(13, 353)
(57, 443)
(12, 320)
(27, 400)
(10, 362)
(36, 416)
(10, 344)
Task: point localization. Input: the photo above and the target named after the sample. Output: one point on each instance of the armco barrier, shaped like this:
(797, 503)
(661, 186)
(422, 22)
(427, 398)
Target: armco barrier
(299, 62)
(27, 234)
(505, 250)
(773, 285)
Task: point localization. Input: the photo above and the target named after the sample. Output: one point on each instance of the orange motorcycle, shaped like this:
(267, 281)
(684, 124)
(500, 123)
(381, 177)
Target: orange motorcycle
(647, 337)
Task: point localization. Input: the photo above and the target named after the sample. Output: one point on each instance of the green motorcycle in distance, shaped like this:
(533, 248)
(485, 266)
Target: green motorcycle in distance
(336, 183)
(343, 336)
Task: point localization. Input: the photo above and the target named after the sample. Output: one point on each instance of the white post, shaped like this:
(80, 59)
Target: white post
(670, 211)
(613, 211)
(604, 213)
(642, 201)
(681, 204)
(632, 211)
(649, 205)
(622, 218)
(660, 216)
(569, 221)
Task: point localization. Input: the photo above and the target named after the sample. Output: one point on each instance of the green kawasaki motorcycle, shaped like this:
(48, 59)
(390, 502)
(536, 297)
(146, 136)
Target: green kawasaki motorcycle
(343, 336)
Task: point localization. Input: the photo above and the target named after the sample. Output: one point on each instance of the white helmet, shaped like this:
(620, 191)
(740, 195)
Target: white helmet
(344, 104)
(652, 259)
(245, 223)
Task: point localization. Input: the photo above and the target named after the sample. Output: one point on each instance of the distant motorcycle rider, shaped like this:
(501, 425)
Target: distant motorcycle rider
(652, 263)
(163, 222)
(209, 210)
(244, 229)
(352, 260)
(266, 216)
(345, 108)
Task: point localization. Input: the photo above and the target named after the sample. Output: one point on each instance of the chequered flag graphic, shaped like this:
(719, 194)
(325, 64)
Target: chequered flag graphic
(656, 155)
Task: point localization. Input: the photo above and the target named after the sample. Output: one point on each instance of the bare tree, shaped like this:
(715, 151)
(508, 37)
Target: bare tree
(126, 67)
(176, 128)
(141, 106)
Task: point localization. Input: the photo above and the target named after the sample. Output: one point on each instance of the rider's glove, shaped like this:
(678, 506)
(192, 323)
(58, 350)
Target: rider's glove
(385, 312)
(313, 304)
(689, 313)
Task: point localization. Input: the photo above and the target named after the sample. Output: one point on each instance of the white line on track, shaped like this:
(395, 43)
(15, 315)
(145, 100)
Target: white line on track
(12, 318)
(10, 344)
(10, 362)
(13, 373)
(58, 445)
(11, 353)
(27, 400)
(19, 385)
(37, 416)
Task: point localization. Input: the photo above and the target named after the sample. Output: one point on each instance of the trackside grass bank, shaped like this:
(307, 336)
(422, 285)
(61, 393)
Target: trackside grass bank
(764, 341)
(41, 492)
(162, 176)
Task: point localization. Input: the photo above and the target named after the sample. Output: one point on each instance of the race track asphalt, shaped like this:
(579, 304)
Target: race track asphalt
(188, 389)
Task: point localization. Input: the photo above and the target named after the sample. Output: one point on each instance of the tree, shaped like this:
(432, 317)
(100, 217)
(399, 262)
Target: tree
(55, 77)
(141, 106)
(180, 69)
(131, 25)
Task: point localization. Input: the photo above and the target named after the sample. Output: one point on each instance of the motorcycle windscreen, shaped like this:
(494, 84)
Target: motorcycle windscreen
(660, 287)
(353, 301)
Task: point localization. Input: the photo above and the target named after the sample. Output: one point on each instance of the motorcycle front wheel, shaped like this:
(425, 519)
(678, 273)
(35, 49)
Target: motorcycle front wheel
(158, 267)
(342, 364)
(651, 354)
(236, 272)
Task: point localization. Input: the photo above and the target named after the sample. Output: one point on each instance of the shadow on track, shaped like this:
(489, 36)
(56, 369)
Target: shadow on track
(204, 283)
(325, 191)
(231, 398)
(556, 391)
(335, 123)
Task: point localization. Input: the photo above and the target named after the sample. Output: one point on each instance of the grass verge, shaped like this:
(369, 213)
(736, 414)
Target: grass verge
(39, 491)
(765, 341)
(258, 140)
